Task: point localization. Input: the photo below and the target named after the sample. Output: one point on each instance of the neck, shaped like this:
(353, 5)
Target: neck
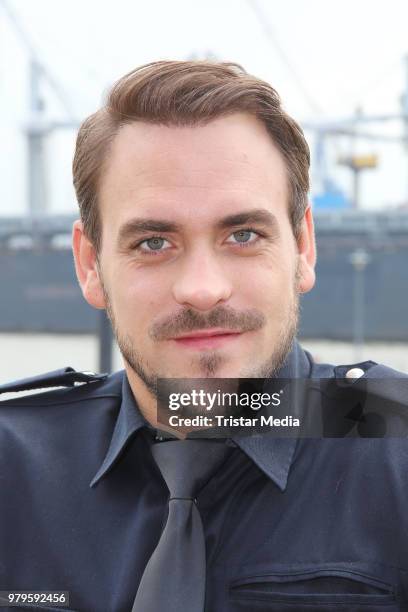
(147, 403)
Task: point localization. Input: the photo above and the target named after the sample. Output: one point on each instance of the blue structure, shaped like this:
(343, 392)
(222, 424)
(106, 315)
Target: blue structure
(41, 293)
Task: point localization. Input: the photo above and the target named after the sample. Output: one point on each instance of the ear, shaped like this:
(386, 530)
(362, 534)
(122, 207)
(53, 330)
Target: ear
(307, 253)
(86, 267)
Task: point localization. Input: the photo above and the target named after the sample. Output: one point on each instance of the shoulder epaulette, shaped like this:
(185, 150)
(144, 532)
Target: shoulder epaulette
(64, 377)
(353, 371)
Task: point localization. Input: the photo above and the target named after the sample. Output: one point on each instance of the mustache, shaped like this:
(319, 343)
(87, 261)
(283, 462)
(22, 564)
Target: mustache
(189, 320)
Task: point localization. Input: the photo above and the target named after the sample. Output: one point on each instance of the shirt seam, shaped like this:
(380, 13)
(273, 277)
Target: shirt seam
(57, 403)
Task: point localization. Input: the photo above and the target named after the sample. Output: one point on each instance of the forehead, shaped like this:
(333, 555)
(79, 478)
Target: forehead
(205, 170)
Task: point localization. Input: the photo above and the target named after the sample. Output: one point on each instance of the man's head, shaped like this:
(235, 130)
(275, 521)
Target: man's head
(192, 184)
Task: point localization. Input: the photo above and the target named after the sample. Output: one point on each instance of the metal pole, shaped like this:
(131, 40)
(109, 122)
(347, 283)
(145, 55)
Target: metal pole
(353, 148)
(105, 337)
(359, 260)
(36, 180)
(356, 188)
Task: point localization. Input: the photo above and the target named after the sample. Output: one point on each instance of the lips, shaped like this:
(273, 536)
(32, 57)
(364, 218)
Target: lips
(208, 338)
(205, 333)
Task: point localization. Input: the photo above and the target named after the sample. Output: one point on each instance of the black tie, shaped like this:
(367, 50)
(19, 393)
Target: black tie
(174, 577)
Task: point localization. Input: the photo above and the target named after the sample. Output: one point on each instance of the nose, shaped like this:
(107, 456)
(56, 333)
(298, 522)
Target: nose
(201, 283)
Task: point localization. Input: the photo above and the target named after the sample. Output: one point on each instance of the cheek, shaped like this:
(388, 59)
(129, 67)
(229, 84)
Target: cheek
(270, 280)
(273, 294)
(139, 294)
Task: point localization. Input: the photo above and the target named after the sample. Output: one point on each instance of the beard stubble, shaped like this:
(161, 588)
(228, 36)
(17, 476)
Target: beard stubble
(209, 362)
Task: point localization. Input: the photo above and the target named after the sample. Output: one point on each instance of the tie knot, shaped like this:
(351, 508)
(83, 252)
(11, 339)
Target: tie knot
(186, 465)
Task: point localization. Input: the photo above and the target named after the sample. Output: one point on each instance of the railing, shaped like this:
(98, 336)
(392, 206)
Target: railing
(54, 230)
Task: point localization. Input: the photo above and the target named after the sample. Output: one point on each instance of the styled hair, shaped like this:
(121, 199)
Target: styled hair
(185, 93)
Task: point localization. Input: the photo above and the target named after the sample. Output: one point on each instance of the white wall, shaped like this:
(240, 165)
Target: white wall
(24, 355)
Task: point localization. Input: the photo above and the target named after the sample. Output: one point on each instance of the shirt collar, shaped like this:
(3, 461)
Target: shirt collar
(129, 421)
(273, 456)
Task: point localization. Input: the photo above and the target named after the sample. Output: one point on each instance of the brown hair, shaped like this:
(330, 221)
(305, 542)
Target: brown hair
(185, 93)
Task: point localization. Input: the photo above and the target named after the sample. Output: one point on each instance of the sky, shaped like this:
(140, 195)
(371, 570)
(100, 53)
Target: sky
(325, 58)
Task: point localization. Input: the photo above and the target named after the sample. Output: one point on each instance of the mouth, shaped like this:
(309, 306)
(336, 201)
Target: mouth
(207, 338)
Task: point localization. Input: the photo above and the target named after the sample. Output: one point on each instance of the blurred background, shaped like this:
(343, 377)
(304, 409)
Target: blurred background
(341, 68)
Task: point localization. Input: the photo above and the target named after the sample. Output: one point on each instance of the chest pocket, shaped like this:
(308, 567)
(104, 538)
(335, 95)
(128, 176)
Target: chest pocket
(315, 590)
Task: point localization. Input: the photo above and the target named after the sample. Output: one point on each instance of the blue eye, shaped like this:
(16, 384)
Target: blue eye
(242, 235)
(152, 244)
(245, 237)
(155, 243)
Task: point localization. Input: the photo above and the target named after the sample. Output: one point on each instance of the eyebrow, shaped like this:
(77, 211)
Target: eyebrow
(134, 227)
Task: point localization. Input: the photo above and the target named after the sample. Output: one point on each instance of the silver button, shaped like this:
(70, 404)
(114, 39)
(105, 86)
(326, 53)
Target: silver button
(354, 373)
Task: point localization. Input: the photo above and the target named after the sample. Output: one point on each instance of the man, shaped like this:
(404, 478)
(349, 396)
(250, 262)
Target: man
(197, 238)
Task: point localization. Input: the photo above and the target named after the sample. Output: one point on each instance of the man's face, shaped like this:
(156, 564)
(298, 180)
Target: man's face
(197, 242)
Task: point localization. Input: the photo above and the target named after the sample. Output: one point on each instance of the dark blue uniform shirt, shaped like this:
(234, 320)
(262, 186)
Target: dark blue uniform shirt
(290, 525)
